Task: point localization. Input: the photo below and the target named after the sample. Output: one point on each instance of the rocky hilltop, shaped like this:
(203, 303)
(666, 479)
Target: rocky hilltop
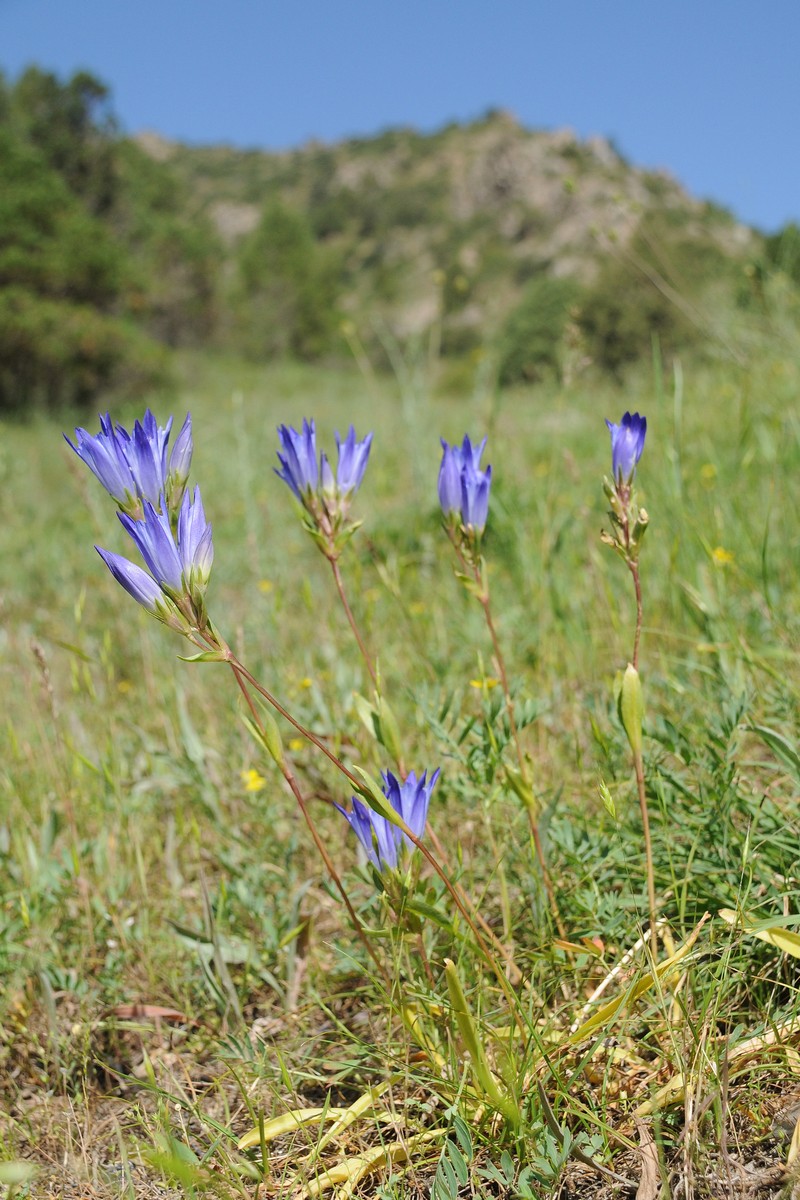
(455, 222)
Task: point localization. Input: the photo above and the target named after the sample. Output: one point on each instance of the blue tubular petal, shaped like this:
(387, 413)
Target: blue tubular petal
(344, 466)
(195, 546)
(155, 543)
(380, 838)
(360, 822)
(299, 458)
(309, 452)
(130, 466)
(181, 458)
(417, 800)
(388, 837)
(475, 497)
(136, 582)
(326, 474)
(481, 499)
(627, 444)
(471, 455)
(352, 461)
(145, 466)
(449, 484)
(391, 790)
(416, 805)
(104, 457)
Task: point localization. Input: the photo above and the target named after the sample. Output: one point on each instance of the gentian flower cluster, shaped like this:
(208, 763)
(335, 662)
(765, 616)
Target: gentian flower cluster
(133, 468)
(179, 564)
(382, 840)
(168, 528)
(464, 490)
(324, 496)
(629, 521)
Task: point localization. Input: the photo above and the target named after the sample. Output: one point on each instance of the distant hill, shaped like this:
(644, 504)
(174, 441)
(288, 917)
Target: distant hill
(458, 222)
(543, 251)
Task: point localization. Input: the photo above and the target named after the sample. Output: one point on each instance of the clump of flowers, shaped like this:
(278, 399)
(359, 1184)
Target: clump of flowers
(464, 493)
(179, 563)
(133, 467)
(629, 521)
(383, 841)
(325, 497)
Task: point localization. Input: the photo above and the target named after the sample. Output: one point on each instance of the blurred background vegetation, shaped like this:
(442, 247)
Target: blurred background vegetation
(536, 252)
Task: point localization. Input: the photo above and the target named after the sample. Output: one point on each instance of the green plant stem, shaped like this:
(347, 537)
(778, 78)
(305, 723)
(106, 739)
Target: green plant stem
(291, 780)
(523, 765)
(276, 704)
(638, 767)
(637, 586)
(337, 575)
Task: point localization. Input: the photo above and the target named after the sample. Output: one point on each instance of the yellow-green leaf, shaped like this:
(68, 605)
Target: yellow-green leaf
(776, 935)
(288, 1122)
(606, 1014)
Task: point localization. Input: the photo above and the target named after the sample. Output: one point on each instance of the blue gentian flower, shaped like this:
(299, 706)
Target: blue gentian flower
(463, 486)
(104, 454)
(352, 463)
(179, 565)
(382, 840)
(627, 444)
(133, 468)
(299, 459)
(137, 582)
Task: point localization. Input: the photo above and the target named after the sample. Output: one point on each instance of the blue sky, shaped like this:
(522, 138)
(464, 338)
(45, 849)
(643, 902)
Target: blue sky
(709, 89)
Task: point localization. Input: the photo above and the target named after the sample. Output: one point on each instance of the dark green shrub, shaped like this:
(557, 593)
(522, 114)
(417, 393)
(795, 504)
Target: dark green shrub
(622, 313)
(287, 289)
(53, 353)
(530, 341)
(655, 288)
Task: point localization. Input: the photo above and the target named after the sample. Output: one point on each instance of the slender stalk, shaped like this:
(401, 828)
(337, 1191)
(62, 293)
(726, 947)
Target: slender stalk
(501, 666)
(637, 584)
(638, 767)
(523, 765)
(337, 575)
(289, 776)
(276, 704)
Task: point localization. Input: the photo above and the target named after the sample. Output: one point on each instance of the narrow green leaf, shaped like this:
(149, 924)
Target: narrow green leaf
(204, 656)
(783, 939)
(472, 1041)
(780, 746)
(366, 714)
(389, 732)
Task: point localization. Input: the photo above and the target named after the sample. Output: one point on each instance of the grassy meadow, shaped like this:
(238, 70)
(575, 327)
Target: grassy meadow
(176, 969)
